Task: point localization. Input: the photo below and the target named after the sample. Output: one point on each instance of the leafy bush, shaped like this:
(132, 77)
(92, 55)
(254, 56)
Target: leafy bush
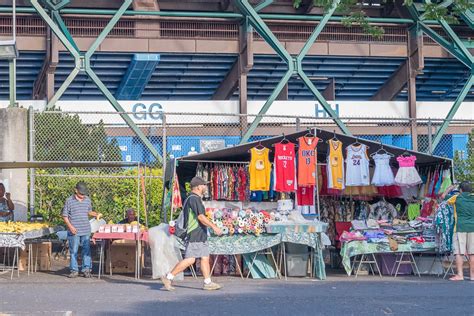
(111, 193)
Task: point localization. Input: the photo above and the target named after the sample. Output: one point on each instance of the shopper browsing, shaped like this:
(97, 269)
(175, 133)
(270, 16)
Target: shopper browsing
(196, 240)
(6, 205)
(76, 212)
(463, 240)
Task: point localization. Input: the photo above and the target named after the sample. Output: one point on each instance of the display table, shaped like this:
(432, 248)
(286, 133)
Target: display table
(108, 237)
(355, 248)
(19, 240)
(244, 244)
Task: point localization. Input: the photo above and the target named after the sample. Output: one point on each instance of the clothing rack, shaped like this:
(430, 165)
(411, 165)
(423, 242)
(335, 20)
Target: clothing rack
(217, 162)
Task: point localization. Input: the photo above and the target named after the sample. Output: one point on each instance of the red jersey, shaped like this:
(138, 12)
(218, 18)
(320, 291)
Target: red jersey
(307, 157)
(284, 163)
(305, 196)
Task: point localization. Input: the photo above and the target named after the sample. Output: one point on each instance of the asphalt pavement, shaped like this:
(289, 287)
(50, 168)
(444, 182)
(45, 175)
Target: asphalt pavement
(54, 294)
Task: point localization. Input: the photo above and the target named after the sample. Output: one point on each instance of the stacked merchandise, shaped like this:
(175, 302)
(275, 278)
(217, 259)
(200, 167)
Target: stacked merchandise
(235, 221)
(21, 227)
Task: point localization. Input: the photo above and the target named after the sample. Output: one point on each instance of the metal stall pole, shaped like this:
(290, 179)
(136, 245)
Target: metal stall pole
(32, 153)
(316, 209)
(430, 137)
(164, 216)
(138, 236)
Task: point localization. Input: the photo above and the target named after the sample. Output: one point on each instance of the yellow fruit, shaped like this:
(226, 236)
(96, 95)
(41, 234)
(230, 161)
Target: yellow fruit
(20, 227)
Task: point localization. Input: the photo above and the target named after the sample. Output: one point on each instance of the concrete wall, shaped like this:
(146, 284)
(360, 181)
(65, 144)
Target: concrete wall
(14, 147)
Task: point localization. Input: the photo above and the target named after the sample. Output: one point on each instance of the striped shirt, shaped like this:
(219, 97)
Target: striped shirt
(77, 212)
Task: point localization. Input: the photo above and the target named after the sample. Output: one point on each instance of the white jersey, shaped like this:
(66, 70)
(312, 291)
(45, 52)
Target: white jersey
(357, 166)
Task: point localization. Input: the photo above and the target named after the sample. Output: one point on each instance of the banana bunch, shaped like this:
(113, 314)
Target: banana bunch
(20, 227)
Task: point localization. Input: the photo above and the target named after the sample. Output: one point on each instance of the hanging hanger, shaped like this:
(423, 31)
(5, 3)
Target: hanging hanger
(383, 151)
(405, 154)
(334, 137)
(309, 133)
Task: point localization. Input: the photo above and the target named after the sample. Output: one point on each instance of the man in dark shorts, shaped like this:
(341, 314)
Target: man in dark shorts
(196, 246)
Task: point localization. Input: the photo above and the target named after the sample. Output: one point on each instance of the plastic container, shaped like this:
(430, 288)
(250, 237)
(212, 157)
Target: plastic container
(296, 249)
(95, 224)
(297, 265)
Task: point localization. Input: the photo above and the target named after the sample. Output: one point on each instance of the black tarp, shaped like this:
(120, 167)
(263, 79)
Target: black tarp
(186, 166)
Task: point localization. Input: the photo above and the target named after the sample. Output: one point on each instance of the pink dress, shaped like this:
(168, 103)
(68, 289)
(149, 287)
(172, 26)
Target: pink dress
(407, 174)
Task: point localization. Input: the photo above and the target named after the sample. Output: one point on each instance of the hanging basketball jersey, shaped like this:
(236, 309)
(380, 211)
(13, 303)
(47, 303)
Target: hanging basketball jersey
(285, 176)
(305, 196)
(307, 156)
(259, 169)
(357, 166)
(335, 167)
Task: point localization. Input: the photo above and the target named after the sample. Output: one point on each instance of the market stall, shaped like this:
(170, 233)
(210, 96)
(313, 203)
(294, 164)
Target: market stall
(21, 235)
(321, 175)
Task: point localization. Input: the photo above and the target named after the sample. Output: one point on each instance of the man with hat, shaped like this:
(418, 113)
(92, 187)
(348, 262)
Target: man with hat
(76, 212)
(196, 240)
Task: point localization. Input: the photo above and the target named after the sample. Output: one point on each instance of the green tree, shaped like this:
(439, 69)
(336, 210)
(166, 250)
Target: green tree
(353, 11)
(464, 162)
(64, 137)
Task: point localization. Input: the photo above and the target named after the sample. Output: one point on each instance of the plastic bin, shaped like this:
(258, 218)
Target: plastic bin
(297, 265)
(296, 249)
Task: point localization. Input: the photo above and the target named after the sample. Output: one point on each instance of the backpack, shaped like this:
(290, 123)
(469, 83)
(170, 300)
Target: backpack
(181, 226)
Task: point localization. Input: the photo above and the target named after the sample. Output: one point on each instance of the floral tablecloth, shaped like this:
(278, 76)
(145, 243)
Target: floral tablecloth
(242, 244)
(12, 240)
(355, 248)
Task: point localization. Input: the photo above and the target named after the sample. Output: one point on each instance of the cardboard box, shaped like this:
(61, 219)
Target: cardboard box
(42, 264)
(39, 249)
(121, 256)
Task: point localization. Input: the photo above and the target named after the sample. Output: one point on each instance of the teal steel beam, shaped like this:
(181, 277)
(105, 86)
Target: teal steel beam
(462, 95)
(468, 17)
(60, 22)
(56, 30)
(453, 50)
(221, 15)
(82, 63)
(294, 64)
(58, 94)
(262, 5)
(316, 33)
(106, 92)
(267, 105)
(458, 50)
(116, 17)
(12, 82)
(457, 41)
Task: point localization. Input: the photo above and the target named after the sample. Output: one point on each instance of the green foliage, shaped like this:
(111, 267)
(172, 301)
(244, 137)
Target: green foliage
(110, 196)
(464, 166)
(354, 14)
(64, 137)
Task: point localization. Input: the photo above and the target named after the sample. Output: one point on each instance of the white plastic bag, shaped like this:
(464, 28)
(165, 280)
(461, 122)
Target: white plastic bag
(165, 253)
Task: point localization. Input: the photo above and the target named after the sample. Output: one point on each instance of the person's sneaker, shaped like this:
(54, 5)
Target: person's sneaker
(73, 274)
(87, 274)
(211, 286)
(166, 284)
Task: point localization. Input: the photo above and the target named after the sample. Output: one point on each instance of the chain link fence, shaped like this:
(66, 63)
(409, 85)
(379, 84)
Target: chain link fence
(104, 136)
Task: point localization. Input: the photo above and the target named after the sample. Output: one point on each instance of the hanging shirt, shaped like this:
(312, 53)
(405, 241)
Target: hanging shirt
(357, 166)
(307, 156)
(284, 162)
(335, 166)
(259, 169)
(305, 196)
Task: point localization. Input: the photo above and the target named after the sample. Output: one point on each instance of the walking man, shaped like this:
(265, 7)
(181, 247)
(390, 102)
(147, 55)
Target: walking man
(463, 240)
(76, 212)
(196, 241)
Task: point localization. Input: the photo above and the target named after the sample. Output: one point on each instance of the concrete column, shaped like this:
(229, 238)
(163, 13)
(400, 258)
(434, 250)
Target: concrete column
(14, 147)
